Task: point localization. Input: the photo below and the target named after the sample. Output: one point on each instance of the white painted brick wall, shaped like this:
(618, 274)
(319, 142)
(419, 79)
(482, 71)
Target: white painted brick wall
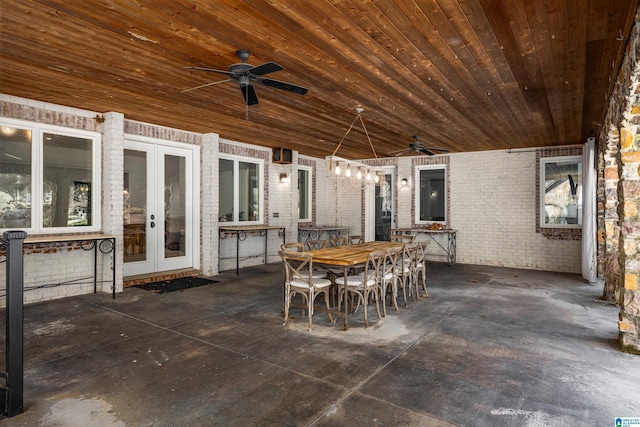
(338, 199)
(493, 207)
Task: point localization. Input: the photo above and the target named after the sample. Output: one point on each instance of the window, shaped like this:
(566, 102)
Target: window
(431, 194)
(240, 190)
(49, 177)
(561, 192)
(304, 193)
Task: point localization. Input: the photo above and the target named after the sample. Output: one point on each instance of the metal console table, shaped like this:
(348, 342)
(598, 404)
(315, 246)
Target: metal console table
(316, 233)
(449, 249)
(241, 232)
(97, 242)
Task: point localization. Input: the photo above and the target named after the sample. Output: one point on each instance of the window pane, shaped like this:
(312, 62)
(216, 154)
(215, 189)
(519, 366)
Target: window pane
(304, 210)
(67, 171)
(225, 190)
(562, 192)
(248, 196)
(432, 195)
(15, 178)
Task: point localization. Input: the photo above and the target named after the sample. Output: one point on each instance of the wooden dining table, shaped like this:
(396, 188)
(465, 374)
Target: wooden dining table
(347, 257)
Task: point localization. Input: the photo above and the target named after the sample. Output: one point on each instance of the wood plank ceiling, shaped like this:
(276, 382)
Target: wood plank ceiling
(465, 75)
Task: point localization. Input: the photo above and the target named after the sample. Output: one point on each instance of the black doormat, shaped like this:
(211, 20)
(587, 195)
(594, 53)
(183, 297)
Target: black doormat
(175, 284)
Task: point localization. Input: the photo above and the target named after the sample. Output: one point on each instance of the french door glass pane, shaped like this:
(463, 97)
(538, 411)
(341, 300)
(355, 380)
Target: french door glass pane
(15, 178)
(175, 205)
(135, 205)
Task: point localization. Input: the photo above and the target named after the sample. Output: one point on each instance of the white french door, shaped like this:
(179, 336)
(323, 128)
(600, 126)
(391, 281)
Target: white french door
(158, 208)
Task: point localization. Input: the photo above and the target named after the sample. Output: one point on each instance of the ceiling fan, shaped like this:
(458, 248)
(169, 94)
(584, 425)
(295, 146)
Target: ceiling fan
(246, 74)
(418, 147)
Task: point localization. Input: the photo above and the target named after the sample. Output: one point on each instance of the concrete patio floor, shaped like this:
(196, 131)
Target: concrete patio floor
(491, 347)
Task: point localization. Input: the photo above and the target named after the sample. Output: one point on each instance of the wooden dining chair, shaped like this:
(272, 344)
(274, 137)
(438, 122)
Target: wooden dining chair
(355, 240)
(403, 271)
(388, 280)
(299, 247)
(339, 241)
(403, 238)
(299, 280)
(313, 245)
(363, 286)
(420, 266)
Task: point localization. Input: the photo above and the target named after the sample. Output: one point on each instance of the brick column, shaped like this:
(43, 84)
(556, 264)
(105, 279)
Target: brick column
(209, 204)
(611, 264)
(112, 190)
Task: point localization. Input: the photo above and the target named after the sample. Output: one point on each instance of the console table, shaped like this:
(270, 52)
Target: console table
(97, 242)
(241, 232)
(449, 248)
(316, 233)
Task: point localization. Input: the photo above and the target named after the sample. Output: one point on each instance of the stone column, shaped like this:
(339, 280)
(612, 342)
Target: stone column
(628, 209)
(611, 264)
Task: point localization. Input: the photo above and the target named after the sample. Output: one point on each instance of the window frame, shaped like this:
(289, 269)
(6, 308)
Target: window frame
(541, 197)
(38, 130)
(236, 177)
(417, 193)
(309, 171)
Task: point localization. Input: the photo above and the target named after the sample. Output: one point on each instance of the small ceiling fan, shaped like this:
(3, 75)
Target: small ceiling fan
(418, 147)
(247, 74)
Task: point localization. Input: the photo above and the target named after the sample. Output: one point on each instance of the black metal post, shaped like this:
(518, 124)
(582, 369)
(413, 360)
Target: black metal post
(13, 242)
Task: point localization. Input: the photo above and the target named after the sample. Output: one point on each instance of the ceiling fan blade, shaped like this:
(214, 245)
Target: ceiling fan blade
(249, 94)
(266, 68)
(283, 85)
(401, 152)
(213, 70)
(436, 149)
(427, 152)
(205, 85)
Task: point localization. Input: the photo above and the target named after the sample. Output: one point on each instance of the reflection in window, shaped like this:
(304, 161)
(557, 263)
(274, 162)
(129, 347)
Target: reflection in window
(62, 197)
(15, 178)
(248, 196)
(304, 193)
(67, 171)
(561, 179)
(240, 194)
(431, 200)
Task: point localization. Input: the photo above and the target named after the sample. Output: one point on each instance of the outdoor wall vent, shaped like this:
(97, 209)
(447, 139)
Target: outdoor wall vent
(282, 156)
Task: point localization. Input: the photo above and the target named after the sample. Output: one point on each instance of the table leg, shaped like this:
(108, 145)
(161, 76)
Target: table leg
(237, 253)
(346, 300)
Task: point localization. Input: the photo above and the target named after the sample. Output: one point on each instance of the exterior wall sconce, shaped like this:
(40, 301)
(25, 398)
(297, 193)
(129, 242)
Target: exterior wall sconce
(404, 182)
(283, 178)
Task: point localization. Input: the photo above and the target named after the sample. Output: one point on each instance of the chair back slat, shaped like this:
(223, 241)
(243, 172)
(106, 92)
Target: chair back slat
(313, 245)
(339, 241)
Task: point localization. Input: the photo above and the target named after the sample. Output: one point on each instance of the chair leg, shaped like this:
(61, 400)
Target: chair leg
(424, 281)
(404, 290)
(365, 298)
(310, 299)
(326, 300)
(287, 304)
